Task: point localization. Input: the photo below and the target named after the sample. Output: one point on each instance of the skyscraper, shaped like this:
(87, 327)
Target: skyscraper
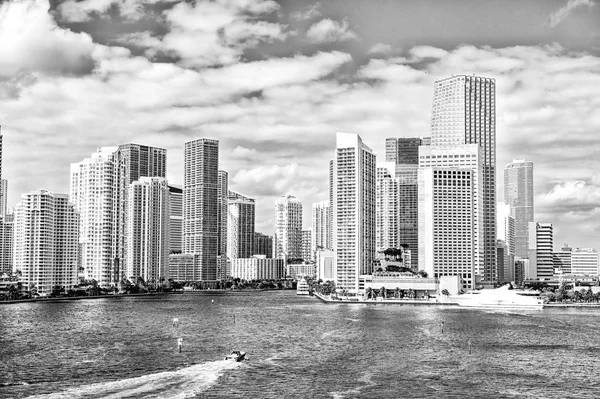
(288, 228)
(518, 193)
(3, 196)
(386, 207)
(46, 241)
(200, 206)
(94, 195)
(176, 219)
(6, 243)
(147, 232)
(354, 175)
(307, 253)
(541, 247)
(240, 226)
(263, 245)
(464, 112)
(321, 226)
(222, 228)
(506, 241)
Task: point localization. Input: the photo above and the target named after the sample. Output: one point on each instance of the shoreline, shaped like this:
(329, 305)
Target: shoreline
(386, 301)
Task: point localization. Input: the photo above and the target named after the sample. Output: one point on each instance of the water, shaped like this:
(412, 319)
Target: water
(297, 347)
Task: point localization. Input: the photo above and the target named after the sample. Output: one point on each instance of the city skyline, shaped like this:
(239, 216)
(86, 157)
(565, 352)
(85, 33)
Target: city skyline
(129, 77)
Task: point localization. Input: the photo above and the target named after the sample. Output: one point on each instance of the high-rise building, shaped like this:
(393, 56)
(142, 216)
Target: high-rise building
(147, 230)
(446, 160)
(354, 214)
(6, 244)
(93, 192)
(240, 226)
(222, 217)
(307, 253)
(200, 205)
(175, 219)
(46, 241)
(584, 261)
(447, 223)
(321, 226)
(287, 241)
(386, 207)
(541, 250)
(518, 193)
(464, 112)
(263, 245)
(506, 239)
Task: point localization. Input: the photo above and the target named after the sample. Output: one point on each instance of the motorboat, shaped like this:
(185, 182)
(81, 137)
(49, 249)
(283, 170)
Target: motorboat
(503, 297)
(302, 288)
(236, 356)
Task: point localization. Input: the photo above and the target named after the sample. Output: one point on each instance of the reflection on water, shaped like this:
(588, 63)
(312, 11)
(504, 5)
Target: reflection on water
(297, 347)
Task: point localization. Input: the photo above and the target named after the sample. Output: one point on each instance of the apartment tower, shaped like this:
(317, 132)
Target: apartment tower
(287, 241)
(518, 194)
(240, 226)
(321, 226)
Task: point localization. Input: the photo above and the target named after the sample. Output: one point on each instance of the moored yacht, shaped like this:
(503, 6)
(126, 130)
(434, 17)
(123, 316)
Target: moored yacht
(302, 288)
(502, 297)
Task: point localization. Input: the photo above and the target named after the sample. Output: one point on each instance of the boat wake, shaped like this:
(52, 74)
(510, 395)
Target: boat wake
(179, 384)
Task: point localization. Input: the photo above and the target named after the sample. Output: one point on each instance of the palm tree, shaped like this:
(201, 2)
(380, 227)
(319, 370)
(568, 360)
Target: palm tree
(383, 293)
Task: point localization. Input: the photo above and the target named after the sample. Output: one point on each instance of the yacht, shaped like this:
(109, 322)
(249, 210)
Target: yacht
(302, 288)
(503, 297)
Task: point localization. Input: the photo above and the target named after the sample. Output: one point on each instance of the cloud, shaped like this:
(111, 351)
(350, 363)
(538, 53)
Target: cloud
(329, 31)
(30, 41)
(243, 153)
(308, 13)
(562, 13)
(85, 10)
(216, 33)
(380, 48)
(578, 197)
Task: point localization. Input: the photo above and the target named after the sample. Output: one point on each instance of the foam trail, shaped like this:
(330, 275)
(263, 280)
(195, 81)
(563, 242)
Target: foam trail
(184, 383)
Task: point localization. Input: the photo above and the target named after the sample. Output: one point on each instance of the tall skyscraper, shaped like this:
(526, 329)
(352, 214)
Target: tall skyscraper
(3, 196)
(263, 245)
(46, 241)
(518, 193)
(307, 253)
(147, 232)
(321, 226)
(6, 243)
(354, 170)
(506, 240)
(222, 229)
(541, 248)
(94, 194)
(240, 226)
(200, 206)
(288, 228)
(464, 112)
(175, 219)
(386, 207)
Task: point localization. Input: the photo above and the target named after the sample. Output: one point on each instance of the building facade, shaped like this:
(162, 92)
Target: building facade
(175, 219)
(541, 248)
(147, 230)
(200, 206)
(307, 252)
(519, 195)
(6, 244)
(321, 226)
(584, 261)
(354, 210)
(240, 226)
(287, 240)
(258, 268)
(222, 230)
(263, 245)
(464, 112)
(46, 236)
(386, 207)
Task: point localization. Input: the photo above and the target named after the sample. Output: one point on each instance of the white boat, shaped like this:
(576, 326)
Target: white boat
(302, 288)
(502, 297)
(236, 356)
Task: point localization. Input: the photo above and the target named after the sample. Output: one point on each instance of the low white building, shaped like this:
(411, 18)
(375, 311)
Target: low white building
(325, 266)
(258, 267)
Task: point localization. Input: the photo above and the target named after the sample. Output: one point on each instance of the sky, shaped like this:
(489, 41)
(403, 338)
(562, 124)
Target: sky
(274, 81)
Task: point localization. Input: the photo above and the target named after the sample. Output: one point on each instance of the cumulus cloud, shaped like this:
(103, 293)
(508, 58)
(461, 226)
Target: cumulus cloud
(85, 10)
(562, 13)
(380, 49)
(308, 13)
(329, 31)
(30, 40)
(576, 196)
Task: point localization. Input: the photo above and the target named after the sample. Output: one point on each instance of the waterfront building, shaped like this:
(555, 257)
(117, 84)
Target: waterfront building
(263, 245)
(562, 260)
(506, 237)
(321, 235)
(301, 269)
(46, 235)
(287, 241)
(222, 228)
(175, 219)
(387, 220)
(147, 231)
(325, 265)
(354, 214)
(6, 243)
(93, 192)
(200, 206)
(240, 226)
(584, 261)
(447, 223)
(540, 252)
(518, 194)
(183, 267)
(464, 112)
(258, 267)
